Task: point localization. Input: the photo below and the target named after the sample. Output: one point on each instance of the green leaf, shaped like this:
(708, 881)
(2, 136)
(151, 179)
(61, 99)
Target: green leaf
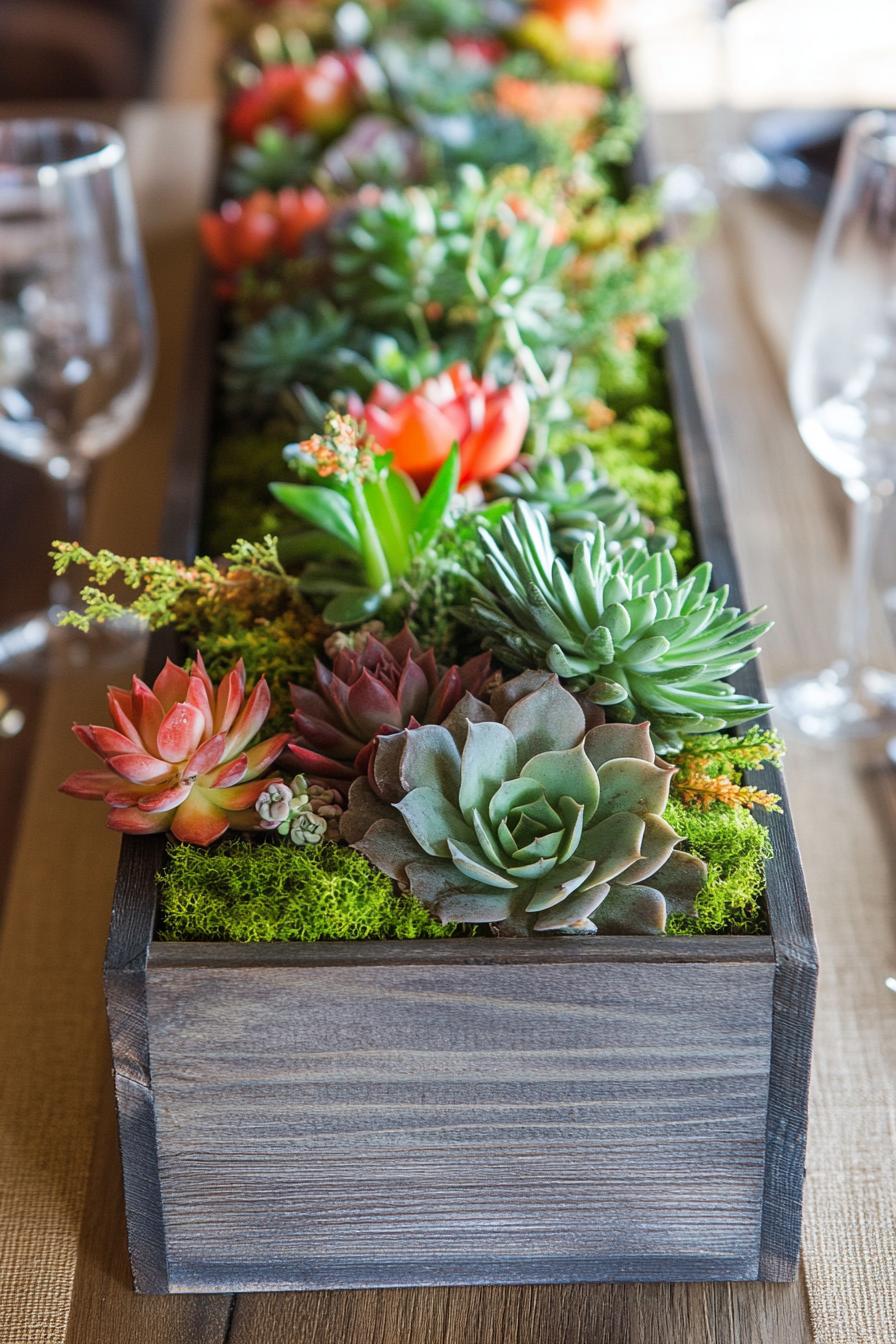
(489, 758)
(633, 786)
(547, 719)
(435, 502)
(633, 910)
(565, 774)
(468, 860)
(352, 606)
(614, 844)
(431, 819)
(391, 530)
(322, 508)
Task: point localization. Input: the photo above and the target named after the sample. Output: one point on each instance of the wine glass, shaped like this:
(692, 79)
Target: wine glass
(77, 344)
(843, 394)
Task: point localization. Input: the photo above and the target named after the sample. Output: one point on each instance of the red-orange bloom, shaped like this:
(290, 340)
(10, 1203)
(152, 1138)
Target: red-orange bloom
(561, 103)
(319, 98)
(587, 26)
(488, 423)
(244, 233)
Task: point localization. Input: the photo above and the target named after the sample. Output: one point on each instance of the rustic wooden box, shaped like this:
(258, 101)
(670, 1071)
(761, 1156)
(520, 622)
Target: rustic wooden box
(469, 1111)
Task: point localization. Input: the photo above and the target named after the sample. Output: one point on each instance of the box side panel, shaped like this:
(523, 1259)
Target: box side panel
(126, 1009)
(320, 1127)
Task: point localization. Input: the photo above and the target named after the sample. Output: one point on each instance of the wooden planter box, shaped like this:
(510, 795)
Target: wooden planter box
(469, 1111)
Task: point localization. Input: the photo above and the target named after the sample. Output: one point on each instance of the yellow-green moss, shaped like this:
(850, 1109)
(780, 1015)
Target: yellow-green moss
(735, 847)
(640, 455)
(249, 891)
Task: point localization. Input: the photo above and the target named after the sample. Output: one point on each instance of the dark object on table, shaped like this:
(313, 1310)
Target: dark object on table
(791, 154)
(60, 49)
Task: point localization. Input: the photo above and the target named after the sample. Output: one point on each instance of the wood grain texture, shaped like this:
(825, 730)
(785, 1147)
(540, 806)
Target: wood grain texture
(380, 1125)
(468, 952)
(786, 898)
(579, 1313)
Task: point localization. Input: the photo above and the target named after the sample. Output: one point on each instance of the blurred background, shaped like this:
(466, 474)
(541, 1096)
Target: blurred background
(786, 53)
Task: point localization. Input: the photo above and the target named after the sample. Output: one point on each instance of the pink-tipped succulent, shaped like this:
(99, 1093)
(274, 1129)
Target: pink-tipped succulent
(374, 688)
(180, 756)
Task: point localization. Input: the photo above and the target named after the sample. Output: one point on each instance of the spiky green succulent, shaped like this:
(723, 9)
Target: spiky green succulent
(521, 815)
(574, 495)
(622, 628)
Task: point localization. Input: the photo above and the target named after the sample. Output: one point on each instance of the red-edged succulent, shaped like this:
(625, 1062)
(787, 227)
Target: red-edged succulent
(265, 224)
(180, 756)
(320, 98)
(379, 688)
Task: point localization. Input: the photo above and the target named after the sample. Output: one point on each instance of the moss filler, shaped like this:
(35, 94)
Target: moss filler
(735, 846)
(248, 891)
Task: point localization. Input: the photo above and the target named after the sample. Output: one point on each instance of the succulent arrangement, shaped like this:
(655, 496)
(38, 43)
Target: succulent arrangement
(515, 814)
(621, 627)
(463, 580)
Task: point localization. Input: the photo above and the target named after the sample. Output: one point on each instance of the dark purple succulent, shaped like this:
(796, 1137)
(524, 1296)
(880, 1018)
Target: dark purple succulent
(381, 687)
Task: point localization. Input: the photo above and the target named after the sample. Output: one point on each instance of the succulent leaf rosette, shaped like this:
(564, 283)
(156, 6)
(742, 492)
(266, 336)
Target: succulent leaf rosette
(320, 98)
(574, 495)
(374, 687)
(248, 232)
(520, 815)
(622, 628)
(487, 422)
(180, 756)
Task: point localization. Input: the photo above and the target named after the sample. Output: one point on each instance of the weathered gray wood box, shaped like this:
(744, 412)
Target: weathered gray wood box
(470, 1111)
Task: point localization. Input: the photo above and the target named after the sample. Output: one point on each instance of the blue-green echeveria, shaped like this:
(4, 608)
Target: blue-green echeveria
(521, 815)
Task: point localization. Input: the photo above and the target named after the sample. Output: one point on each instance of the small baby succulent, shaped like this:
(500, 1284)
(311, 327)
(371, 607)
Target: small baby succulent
(371, 687)
(307, 813)
(180, 756)
(521, 815)
(621, 627)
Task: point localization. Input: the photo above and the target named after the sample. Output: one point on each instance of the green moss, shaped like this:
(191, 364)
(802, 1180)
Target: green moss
(736, 847)
(640, 455)
(248, 891)
(237, 502)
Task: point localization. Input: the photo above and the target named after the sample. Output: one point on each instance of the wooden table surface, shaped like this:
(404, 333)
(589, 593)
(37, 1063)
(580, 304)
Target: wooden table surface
(63, 1262)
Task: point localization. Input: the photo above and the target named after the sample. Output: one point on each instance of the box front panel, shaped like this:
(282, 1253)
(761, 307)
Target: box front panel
(384, 1125)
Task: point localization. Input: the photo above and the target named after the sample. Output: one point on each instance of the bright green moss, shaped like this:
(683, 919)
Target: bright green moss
(237, 502)
(247, 891)
(640, 455)
(735, 846)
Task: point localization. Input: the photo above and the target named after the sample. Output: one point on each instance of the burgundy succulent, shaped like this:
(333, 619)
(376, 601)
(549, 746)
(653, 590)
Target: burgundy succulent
(380, 687)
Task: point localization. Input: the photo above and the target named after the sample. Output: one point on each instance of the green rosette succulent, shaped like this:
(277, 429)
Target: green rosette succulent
(574, 495)
(526, 815)
(623, 628)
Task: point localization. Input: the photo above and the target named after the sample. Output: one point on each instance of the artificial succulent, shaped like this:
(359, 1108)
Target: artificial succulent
(574, 495)
(373, 687)
(622, 628)
(521, 815)
(180, 756)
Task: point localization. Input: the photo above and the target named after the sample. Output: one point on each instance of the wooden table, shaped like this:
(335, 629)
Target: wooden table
(63, 1270)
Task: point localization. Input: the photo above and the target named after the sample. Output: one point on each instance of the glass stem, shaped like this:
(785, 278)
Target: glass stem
(867, 503)
(63, 592)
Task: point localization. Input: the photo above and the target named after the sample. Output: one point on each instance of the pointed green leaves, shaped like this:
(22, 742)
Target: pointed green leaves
(434, 505)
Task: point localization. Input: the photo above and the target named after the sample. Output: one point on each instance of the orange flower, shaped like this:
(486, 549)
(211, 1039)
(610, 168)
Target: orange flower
(559, 104)
(244, 233)
(587, 26)
(319, 98)
(487, 422)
